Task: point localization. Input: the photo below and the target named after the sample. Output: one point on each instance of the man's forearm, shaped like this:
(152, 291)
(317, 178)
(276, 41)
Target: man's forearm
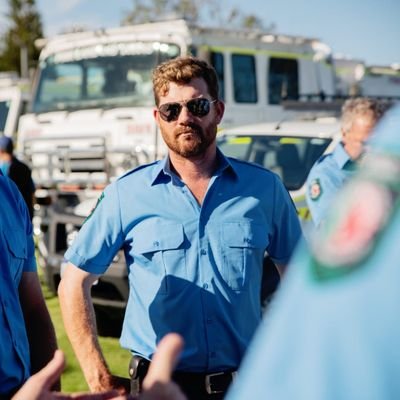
(39, 328)
(79, 321)
(42, 338)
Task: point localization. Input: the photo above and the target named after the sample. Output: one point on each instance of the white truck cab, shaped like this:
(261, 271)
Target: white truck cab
(98, 84)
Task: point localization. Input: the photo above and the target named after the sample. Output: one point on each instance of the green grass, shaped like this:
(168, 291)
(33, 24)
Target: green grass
(72, 379)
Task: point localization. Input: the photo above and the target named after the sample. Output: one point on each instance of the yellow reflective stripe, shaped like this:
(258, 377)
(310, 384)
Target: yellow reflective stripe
(290, 140)
(300, 198)
(304, 213)
(240, 140)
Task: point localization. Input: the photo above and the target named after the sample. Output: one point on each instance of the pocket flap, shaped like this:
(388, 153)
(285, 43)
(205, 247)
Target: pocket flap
(161, 237)
(14, 243)
(244, 234)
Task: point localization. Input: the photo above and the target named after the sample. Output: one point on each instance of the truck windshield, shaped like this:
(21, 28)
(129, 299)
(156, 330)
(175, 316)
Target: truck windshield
(105, 76)
(288, 156)
(4, 109)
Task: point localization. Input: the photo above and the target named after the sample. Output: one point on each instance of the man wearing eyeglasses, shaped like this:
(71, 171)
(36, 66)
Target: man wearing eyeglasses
(195, 228)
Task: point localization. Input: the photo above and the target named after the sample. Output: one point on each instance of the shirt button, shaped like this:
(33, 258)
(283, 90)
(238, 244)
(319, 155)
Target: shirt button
(209, 320)
(213, 354)
(203, 252)
(205, 286)
(156, 243)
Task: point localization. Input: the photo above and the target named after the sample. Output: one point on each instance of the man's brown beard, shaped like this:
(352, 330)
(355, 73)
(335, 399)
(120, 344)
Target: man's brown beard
(200, 141)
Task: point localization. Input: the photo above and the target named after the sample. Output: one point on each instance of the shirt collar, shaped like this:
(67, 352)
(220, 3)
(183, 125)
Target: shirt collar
(163, 172)
(340, 156)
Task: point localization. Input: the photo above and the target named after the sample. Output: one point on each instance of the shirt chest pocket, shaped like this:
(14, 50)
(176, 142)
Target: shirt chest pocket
(17, 253)
(159, 256)
(243, 249)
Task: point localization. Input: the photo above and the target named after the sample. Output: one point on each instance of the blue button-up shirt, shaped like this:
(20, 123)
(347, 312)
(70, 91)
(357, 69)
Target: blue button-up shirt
(326, 177)
(193, 269)
(16, 257)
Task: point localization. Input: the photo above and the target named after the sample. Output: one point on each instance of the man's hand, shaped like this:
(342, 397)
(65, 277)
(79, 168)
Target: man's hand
(156, 386)
(37, 387)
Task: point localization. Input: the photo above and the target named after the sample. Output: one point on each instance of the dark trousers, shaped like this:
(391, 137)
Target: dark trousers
(196, 386)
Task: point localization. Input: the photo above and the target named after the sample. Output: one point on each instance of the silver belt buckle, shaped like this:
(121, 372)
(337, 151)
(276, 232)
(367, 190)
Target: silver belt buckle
(208, 382)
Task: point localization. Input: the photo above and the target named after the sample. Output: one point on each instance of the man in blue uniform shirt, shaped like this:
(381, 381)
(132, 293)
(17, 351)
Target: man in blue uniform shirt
(333, 330)
(195, 228)
(331, 171)
(27, 338)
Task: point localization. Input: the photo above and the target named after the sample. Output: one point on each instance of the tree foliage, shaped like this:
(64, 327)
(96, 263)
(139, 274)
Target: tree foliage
(209, 11)
(25, 27)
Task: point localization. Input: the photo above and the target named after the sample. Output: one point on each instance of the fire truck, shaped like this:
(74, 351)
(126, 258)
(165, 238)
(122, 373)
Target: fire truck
(91, 116)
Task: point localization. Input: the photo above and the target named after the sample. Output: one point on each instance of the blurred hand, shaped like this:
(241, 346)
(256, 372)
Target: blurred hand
(158, 384)
(37, 387)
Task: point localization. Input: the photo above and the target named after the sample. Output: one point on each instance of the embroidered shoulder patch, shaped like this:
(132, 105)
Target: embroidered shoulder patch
(94, 208)
(315, 189)
(350, 234)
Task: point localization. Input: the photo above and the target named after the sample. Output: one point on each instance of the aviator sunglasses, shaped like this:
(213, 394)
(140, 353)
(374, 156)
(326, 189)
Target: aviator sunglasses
(199, 107)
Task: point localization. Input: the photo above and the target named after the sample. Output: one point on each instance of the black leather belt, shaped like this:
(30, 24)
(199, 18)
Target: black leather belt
(213, 383)
(217, 382)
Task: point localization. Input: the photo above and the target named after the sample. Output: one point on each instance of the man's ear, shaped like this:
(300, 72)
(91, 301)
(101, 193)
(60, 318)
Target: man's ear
(156, 114)
(220, 110)
(344, 133)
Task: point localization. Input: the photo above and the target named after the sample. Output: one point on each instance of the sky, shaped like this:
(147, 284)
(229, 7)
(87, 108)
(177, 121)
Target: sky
(367, 30)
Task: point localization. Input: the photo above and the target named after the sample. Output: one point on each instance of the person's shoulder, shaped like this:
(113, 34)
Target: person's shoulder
(322, 167)
(8, 185)
(325, 161)
(19, 166)
(140, 170)
(10, 190)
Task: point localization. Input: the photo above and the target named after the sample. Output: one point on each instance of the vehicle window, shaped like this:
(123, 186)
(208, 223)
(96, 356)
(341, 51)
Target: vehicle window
(217, 60)
(62, 83)
(113, 75)
(244, 78)
(290, 157)
(4, 109)
(283, 80)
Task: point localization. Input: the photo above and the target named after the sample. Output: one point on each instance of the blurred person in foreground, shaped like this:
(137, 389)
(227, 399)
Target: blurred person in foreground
(27, 338)
(333, 329)
(194, 228)
(331, 171)
(18, 171)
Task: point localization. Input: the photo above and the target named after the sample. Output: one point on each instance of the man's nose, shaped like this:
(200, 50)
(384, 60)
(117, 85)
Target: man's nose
(185, 114)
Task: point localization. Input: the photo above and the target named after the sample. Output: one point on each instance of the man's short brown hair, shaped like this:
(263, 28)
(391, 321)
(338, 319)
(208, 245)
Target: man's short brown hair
(182, 70)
